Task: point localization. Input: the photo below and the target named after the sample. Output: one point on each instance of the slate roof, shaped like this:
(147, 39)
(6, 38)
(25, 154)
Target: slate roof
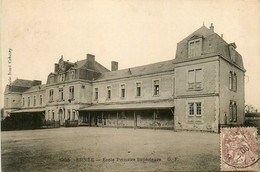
(19, 85)
(222, 45)
(36, 88)
(98, 67)
(140, 70)
(202, 31)
(22, 83)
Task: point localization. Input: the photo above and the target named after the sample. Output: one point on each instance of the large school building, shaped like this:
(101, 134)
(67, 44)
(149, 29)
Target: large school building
(202, 88)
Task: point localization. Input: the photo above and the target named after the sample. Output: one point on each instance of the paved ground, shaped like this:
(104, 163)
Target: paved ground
(83, 148)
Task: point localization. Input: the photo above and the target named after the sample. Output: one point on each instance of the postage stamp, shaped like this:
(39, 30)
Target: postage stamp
(239, 149)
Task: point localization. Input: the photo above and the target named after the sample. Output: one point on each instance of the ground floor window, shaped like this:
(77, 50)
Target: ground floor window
(53, 115)
(194, 109)
(68, 114)
(233, 111)
(73, 115)
(49, 114)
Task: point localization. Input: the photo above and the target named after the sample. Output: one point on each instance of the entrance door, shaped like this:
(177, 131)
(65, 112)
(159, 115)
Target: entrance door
(60, 116)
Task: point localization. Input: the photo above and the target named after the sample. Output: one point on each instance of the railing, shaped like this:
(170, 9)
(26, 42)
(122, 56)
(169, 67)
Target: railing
(51, 124)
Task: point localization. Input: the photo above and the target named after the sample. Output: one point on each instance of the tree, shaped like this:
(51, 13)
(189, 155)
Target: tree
(250, 109)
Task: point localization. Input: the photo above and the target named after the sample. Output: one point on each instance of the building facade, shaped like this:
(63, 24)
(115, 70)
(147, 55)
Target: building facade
(201, 89)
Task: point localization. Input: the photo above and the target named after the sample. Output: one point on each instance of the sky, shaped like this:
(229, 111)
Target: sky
(132, 32)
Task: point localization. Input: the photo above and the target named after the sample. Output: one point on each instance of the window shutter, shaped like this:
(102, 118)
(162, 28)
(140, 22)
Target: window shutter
(231, 111)
(235, 82)
(191, 79)
(230, 80)
(199, 78)
(235, 112)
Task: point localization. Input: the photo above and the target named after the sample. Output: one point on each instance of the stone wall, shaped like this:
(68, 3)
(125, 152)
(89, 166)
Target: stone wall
(226, 95)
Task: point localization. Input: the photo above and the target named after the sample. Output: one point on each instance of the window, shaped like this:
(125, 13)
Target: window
(61, 94)
(29, 101)
(156, 87)
(51, 95)
(233, 111)
(191, 109)
(96, 93)
(72, 74)
(40, 99)
(235, 82)
(71, 94)
(23, 102)
(122, 90)
(49, 114)
(108, 92)
(230, 80)
(68, 114)
(62, 77)
(195, 109)
(194, 48)
(138, 89)
(195, 78)
(34, 100)
(73, 115)
(53, 115)
(198, 109)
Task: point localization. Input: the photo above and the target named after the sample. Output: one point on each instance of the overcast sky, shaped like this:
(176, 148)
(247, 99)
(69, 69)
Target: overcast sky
(131, 32)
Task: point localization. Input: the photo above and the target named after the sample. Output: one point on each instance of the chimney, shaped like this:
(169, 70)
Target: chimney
(211, 27)
(56, 67)
(90, 61)
(36, 82)
(114, 66)
(222, 36)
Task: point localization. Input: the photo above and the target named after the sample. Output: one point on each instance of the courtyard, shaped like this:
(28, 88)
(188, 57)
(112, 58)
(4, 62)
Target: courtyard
(107, 149)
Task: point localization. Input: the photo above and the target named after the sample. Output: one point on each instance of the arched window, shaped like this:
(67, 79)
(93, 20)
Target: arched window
(235, 82)
(230, 80)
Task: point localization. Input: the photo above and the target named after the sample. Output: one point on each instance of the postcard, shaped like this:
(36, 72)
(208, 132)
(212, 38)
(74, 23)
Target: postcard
(117, 85)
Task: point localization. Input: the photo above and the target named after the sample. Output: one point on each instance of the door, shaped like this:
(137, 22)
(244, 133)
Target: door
(60, 116)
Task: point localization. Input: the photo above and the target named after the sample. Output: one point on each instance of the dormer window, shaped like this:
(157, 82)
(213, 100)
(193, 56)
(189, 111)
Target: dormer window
(195, 46)
(72, 74)
(62, 77)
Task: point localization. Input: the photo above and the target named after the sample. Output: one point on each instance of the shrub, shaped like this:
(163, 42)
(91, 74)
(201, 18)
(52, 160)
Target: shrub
(22, 121)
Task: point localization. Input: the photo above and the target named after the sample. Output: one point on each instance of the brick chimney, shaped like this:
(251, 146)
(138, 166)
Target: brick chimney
(211, 27)
(90, 61)
(56, 67)
(114, 66)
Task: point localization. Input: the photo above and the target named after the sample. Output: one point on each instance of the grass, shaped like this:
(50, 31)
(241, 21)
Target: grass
(74, 149)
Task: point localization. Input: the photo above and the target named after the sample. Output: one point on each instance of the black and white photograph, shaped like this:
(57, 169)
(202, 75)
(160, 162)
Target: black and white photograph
(120, 85)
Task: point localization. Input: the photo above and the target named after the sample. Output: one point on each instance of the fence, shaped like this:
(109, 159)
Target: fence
(51, 124)
(71, 123)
